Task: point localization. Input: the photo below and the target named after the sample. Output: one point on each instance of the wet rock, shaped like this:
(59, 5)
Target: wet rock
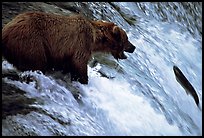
(14, 101)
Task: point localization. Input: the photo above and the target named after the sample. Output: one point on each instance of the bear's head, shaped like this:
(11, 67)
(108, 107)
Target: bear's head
(114, 39)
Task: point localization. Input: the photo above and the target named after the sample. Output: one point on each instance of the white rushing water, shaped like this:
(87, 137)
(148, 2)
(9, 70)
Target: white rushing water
(145, 99)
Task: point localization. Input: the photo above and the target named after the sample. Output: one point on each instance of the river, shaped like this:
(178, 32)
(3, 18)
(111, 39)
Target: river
(143, 96)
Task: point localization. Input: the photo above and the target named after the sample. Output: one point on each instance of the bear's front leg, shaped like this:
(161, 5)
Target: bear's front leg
(79, 72)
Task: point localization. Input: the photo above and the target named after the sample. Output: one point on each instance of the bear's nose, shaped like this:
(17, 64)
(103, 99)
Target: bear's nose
(130, 48)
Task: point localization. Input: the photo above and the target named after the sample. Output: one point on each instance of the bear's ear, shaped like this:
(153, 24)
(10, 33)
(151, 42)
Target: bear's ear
(116, 32)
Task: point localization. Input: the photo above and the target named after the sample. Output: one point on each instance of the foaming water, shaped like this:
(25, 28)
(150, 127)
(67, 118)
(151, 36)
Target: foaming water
(131, 114)
(144, 99)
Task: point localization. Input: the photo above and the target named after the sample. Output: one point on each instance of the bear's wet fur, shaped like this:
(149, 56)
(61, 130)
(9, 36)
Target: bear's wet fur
(43, 41)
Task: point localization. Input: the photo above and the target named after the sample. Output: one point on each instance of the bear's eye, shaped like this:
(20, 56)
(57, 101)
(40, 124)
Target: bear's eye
(124, 38)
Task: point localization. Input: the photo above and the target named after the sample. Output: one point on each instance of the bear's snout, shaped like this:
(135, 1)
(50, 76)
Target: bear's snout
(129, 48)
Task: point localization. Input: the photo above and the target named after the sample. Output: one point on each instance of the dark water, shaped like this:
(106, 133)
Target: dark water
(144, 97)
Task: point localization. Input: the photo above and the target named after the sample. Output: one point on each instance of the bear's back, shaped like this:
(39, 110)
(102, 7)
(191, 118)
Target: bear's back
(45, 21)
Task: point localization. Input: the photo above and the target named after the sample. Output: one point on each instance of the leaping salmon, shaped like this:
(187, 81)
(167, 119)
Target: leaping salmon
(185, 84)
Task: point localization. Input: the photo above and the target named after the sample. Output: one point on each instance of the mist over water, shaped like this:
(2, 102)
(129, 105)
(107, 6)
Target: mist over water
(142, 99)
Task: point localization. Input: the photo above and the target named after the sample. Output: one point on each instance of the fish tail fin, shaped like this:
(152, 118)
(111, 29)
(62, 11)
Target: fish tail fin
(199, 107)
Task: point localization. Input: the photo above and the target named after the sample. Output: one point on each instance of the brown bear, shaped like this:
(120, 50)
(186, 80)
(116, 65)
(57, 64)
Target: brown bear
(43, 41)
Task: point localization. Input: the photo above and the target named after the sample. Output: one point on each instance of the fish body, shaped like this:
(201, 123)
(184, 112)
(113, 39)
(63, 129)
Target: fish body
(185, 84)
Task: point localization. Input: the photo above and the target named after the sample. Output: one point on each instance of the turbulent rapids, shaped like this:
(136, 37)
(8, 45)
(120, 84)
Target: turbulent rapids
(136, 96)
